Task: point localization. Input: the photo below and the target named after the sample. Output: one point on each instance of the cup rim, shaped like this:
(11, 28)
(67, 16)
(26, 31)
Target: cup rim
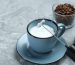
(58, 13)
(41, 19)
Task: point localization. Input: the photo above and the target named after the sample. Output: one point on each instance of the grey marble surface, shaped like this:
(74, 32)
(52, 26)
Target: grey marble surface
(14, 17)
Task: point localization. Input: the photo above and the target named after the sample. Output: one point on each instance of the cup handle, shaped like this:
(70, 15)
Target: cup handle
(61, 30)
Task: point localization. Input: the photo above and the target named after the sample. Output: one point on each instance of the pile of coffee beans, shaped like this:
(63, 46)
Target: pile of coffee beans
(64, 13)
(65, 9)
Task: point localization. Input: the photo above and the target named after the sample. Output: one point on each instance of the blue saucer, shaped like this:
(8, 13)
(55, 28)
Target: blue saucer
(23, 49)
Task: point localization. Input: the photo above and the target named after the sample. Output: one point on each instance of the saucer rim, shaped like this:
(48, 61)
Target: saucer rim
(38, 62)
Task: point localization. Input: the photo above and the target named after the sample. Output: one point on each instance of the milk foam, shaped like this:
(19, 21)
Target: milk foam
(41, 32)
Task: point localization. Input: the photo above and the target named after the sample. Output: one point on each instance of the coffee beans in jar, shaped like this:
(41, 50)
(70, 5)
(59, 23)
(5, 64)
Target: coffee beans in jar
(64, 13)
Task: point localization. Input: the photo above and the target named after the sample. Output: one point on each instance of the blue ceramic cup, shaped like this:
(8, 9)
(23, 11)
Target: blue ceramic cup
(44, 45)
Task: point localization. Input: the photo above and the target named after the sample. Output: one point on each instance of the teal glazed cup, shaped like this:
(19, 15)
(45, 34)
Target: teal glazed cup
(44, 45)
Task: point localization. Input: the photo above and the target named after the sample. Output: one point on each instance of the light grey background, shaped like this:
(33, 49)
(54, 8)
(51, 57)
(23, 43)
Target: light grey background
(14, 17)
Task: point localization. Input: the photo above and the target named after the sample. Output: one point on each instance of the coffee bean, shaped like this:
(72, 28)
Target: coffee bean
(65, 9)
(63, 13)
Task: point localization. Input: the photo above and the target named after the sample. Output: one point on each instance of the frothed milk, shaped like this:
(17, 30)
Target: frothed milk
(41, 32)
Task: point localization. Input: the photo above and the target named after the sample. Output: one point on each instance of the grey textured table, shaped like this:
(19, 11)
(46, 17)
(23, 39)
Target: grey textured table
(14, 17)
